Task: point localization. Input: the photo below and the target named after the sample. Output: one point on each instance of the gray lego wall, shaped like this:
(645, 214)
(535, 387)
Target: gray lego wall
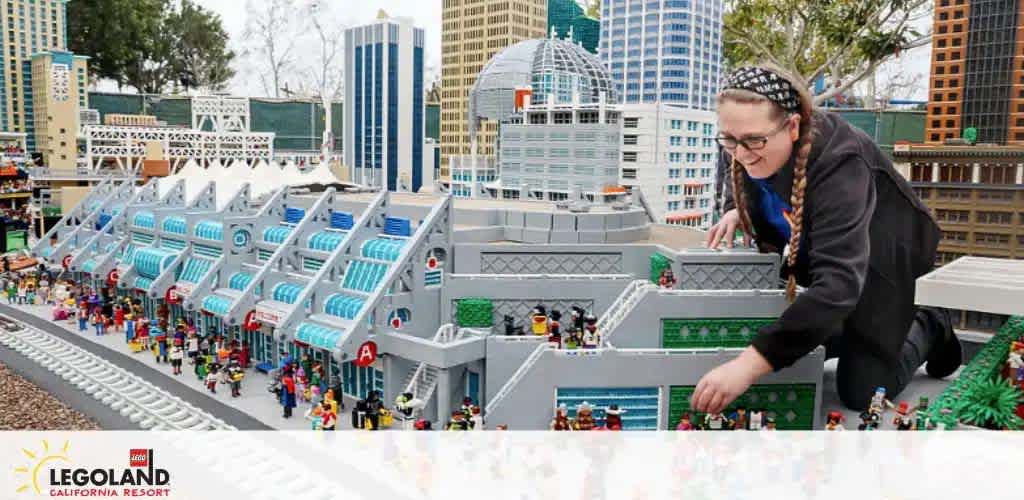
(641, 327)
(530, 406)
(702, 269)
(554, 259)
(516, 296)
(504, 356)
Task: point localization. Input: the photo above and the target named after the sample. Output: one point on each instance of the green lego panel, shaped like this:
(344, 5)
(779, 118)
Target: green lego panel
(792, 405)
(709, 332)
(988, 363)
(659, 263)
(474, 313)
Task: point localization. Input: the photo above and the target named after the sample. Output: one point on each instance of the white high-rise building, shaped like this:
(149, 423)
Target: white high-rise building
(667, 51)
(669, 153)
(384, 104)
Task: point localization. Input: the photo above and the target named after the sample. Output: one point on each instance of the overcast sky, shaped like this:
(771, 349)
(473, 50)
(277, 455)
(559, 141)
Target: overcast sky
(427, 15)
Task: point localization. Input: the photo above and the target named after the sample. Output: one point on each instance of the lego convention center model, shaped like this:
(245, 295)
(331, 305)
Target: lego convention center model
(426, 312)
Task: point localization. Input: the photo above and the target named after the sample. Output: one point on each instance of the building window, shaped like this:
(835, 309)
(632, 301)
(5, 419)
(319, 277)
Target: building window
(630, 122)
(673, 205)
(994, 217)
(954, 236)
(955, 173)
(676, 124)
(675, 140)
(954, 216)
(673, 190)
(629, 140)
(921, 172)
(992, 239)
(996, 196)
(629, 173)
(998, 174)
(961, 195)
(629, 156)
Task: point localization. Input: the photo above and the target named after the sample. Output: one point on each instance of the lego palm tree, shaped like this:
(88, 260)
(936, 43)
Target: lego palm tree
(990, 403)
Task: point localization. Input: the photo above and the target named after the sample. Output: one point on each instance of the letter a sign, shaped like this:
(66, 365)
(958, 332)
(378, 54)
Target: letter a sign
(366, 354)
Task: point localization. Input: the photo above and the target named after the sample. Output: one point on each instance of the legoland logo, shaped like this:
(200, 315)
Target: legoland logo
(140, 479)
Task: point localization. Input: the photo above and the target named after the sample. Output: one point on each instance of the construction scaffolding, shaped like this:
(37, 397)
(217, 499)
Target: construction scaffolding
(126, 146)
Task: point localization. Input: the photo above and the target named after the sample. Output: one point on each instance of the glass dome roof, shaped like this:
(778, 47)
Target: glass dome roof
(551, 67)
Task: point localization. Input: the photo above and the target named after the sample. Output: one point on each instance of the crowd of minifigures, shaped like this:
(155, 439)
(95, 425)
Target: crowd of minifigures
(580, 333)
(906, 418)
(16, 186)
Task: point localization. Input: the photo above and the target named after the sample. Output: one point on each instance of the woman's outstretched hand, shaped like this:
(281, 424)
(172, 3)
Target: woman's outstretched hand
(722, 385)
(725, 230)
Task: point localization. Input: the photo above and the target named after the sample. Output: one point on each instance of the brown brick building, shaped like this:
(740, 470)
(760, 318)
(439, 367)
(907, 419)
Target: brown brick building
(977, 71)
(977, 196)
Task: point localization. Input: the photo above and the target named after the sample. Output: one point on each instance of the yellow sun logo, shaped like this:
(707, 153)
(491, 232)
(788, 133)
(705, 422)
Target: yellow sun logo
(39, 460)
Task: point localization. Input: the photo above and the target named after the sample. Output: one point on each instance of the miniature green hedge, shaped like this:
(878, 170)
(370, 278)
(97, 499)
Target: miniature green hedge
(976, 378)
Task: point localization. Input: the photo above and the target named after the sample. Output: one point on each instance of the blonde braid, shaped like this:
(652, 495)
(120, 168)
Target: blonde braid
(739, 195)
(797, 202)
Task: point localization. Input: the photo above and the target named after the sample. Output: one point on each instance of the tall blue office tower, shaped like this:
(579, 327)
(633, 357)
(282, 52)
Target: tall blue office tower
(384, 111)
(667, 51)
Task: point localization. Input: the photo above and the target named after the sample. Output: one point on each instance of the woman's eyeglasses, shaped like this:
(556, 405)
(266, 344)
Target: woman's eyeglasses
(751, 143)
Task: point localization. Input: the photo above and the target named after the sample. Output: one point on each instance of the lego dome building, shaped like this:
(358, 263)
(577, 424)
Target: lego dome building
(549, 67)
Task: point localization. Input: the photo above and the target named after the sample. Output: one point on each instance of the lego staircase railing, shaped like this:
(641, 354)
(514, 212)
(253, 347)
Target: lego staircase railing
(439, 215)
(146, 194)
(248, 298)
(420, 382)
(643, 203)
(516, 377)
(626, 301)
(82, 214)
(72, 239)
(174, 198)
(361, 230)
(79, 212)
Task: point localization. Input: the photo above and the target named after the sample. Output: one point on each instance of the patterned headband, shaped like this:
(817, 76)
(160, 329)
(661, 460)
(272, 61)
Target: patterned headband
(767, 83)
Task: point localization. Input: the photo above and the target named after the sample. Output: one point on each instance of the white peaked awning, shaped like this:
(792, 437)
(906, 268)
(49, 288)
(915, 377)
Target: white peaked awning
(321, 174)
(190, 169)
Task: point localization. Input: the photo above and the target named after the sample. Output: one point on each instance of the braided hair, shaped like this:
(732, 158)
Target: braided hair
(805, 109)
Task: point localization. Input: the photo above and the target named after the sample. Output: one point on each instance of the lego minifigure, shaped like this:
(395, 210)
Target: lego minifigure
(904, 420)
(555, 329)
(590, 338)
(476, 422)
(584, 420)
(613, 418)
(510, 326)
(561, 420)
(458, 422)
(715, 422)
(1016, 364)
(684, 423)
(667, 279)
(869, 421)
(923, 421)
(740, 419)
(467, 407)
(578, 321)
(539, 321)
(879, 402)
(769, 424)
(756, 420)
(835, 421)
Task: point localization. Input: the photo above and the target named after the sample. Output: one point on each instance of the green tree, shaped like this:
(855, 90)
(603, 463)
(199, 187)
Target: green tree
(112, 32)
(201, 56)
(149, 44)
(843, 41)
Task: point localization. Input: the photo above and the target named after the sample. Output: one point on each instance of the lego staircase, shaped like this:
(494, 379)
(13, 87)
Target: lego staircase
(68, 232)
(373, 261)
(422, 380)
(624, 304)
(111, 229)
(273, 285)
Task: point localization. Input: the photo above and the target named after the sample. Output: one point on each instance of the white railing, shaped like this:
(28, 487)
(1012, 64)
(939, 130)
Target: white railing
(625, 302)
(516, 377)
(445, 334)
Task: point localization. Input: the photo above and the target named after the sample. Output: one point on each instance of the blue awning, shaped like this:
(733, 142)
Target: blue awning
(318, 336)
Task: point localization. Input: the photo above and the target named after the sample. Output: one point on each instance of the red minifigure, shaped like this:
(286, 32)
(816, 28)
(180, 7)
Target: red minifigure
(684, 423)
(835, 421)
(561, 420)
(613, 418)
(667, 279)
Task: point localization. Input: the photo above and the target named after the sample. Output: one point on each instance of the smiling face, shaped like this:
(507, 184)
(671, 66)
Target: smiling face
(746, 120)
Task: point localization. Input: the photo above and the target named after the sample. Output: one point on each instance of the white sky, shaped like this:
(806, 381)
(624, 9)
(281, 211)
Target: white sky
(427, 15)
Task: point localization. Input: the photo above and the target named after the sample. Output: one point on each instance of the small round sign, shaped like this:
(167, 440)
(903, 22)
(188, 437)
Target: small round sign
(66, 262)
(432, 263)
(396, 323)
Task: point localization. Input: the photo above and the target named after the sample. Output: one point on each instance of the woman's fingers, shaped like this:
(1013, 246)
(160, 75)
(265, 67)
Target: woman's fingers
(697, 401)
(714, 236)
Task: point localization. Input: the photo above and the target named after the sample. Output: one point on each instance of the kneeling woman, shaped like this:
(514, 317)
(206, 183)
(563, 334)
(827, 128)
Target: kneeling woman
(810, 187)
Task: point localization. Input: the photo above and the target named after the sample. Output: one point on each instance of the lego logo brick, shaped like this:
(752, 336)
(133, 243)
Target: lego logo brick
(138, 458)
